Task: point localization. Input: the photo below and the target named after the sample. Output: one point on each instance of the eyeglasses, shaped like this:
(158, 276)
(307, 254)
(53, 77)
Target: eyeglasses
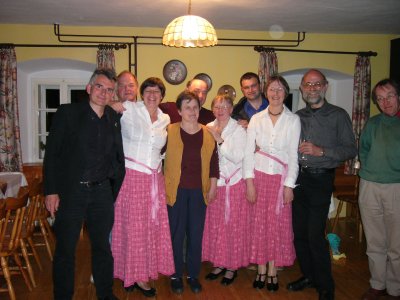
(153, 92)
(317, 85)
(389, 98)
(222, 107)
(101, 88)
(276, 90)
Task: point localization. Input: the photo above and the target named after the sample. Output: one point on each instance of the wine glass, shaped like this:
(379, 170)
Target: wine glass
(303, 156)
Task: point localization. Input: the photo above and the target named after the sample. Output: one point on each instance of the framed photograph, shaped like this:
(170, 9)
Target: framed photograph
(206, 78)
(174, 72)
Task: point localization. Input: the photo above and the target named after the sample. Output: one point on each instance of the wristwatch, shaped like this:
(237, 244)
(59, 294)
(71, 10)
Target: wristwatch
(322, 152)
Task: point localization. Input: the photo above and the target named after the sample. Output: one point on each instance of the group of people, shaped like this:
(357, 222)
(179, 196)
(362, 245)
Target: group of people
(176, 184)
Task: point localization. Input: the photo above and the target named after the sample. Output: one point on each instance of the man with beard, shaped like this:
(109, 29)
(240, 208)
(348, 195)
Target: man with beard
(327, 140)
(253, 100)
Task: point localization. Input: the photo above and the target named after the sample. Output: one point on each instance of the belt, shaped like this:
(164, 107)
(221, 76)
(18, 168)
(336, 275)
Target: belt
(310, 170)
(90, 184)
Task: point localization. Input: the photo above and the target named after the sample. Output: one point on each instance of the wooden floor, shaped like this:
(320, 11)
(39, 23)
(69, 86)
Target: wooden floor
(351, 278)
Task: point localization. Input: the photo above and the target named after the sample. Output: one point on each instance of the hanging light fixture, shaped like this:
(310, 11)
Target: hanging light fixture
(189, 31)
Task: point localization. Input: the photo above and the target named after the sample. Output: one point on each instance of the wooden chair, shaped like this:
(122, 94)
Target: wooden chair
(10, 234)
(346, 191)
(42, 215)
(12, 204)
(35, 192)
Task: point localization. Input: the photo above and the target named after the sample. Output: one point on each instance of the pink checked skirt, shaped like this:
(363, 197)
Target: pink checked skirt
(141, 245)
(271, 235)
(226, 243)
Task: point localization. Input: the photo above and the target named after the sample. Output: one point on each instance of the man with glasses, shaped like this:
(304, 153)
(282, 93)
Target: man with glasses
(83, 171)
(379, 197)
(253, 100)
(328, 141)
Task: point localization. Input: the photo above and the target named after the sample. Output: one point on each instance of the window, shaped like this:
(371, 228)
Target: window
(49, 95)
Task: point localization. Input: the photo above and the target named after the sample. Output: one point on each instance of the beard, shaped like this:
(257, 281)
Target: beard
(312, 98)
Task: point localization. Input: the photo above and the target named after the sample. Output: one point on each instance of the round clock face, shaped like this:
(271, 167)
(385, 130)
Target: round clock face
(227, 90)
(174, 71)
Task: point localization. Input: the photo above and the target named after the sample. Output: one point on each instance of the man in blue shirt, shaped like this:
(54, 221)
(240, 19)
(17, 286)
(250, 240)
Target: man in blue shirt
(253, 101)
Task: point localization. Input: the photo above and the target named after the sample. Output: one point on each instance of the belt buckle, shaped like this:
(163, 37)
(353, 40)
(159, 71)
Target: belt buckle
(87, 184)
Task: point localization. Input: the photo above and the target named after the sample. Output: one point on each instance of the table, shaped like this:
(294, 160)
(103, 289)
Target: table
(14, 181)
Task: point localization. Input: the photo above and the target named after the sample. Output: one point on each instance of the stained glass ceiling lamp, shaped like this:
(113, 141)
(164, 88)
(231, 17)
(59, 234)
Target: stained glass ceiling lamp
(189, 32)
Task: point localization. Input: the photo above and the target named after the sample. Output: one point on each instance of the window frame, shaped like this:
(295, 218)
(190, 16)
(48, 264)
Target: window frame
(65, 86)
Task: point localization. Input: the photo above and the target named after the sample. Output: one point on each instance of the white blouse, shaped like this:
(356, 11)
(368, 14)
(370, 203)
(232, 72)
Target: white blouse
(280, 141)
(142, 139)
(231, 152)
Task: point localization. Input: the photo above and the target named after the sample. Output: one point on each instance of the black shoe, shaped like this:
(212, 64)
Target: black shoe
(177, 285)
(228, 281)
(326, 295)
(258, 283)
(213, 276)
(194, 284)
(271, 285)
(300, 284)
(148, 293)
(112, 297)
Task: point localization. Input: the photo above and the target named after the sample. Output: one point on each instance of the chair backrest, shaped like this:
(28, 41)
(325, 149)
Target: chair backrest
(11, 230)
(31, 214)
(21, 200)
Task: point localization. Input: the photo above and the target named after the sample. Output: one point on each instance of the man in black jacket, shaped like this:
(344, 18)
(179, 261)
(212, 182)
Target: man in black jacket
(83, 171)
(253, 101)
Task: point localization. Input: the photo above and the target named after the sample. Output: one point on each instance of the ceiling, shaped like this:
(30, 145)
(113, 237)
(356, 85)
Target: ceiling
(322, 16)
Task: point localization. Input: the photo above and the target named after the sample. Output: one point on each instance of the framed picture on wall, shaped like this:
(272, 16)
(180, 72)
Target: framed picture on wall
(174, 71)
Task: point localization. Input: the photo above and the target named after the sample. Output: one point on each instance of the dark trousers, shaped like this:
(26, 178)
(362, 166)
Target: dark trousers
(187, 217)
(310, 207)
(95, 205)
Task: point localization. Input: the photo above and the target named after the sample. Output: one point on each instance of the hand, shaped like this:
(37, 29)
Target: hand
(287, 195)
(251, 194)
(243, 123)
(52, 203)
(216, 133)
(212, 193)
(309, 148)
(117, 106)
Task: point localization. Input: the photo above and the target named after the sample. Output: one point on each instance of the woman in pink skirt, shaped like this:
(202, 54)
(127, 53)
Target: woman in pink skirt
(141, 241)
(270, 169)
(226, 231)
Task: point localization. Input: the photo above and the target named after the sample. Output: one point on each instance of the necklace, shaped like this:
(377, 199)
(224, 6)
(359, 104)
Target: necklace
(272, 114)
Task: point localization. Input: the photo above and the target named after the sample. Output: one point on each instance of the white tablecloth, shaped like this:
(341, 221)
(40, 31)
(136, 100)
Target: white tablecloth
(14, 181)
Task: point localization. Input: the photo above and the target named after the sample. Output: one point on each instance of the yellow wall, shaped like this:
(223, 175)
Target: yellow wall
(225, 65)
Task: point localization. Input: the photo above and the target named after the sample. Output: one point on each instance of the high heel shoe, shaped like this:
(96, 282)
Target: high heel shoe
(272, 286)
(148, 293)
(258, 283)
(213, 276)
(228, 281)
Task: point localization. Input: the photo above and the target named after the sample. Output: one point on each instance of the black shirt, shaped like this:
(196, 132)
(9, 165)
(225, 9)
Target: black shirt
(96, 151)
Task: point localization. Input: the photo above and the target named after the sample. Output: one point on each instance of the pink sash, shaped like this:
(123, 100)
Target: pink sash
(154, 187)
(227, 189)
(279, 203)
